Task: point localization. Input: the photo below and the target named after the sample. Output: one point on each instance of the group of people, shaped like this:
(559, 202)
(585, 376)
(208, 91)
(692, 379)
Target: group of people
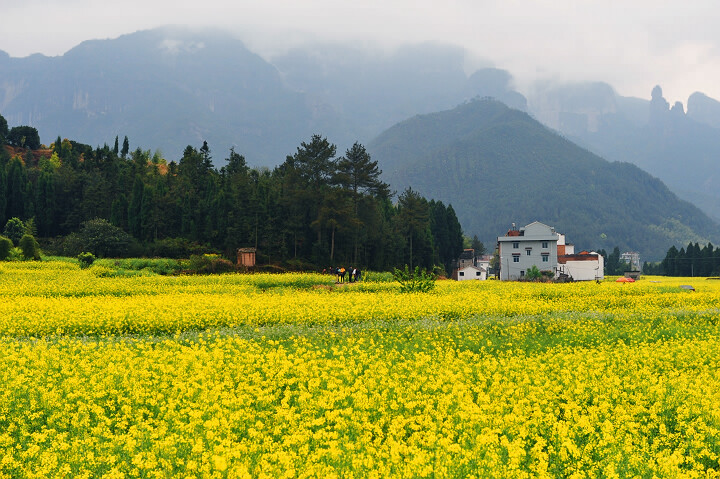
(340, 273)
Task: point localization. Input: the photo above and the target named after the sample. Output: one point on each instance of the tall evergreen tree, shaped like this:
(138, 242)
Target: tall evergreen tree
(361, 176)
(135, 207)
(125, 148)
(413, 220)
(17, 185)
(3, 130)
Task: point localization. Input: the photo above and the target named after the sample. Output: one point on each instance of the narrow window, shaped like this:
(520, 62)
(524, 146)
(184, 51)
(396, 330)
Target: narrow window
(545, 244)
(516, 244)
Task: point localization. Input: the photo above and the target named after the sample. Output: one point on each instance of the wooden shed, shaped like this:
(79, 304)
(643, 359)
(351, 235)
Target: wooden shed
(246, 257)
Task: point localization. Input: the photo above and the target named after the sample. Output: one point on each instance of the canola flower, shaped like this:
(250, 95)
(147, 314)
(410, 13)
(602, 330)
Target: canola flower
(242, 376)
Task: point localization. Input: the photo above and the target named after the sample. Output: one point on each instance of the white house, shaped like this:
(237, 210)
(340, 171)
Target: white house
(534, 245)
(470, 272)
(539, 245)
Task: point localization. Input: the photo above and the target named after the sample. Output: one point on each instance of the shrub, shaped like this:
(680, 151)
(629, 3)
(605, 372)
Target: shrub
(416, 281)
(86, 259)
(15, 229)
(533, 273)
(6, 246)
(176, 248)
(100, 238)
(210, 264)
(29, 247)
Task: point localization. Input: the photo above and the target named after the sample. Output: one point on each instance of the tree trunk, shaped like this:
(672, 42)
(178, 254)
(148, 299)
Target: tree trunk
(332, 244)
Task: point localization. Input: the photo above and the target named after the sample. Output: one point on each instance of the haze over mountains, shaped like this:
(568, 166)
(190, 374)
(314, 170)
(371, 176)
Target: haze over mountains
(170, 87)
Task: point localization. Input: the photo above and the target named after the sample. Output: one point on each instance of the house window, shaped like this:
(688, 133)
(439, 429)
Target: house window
(527, 251)
(545, 244)
(462, 273)
(477, 273)
(516, 258)
(545, 258)
(516, 244)
(522, 273)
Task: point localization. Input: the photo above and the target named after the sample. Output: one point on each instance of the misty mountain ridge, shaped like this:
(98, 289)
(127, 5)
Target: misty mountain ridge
(497, 165)
(679, 148)
(170, 87)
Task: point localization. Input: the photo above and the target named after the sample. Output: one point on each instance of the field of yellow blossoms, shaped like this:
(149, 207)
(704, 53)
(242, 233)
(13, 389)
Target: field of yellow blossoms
(148, 376)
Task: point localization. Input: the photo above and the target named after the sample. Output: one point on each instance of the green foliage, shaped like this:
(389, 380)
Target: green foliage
(100, 238)
(15, 229)
(312, 210)
(29, 247)
(24, 137)
(414, 281)
(3, 130)
(6, 246)
(533, 273)
(86, 259)
(514, 158)
(177, 248)
(161, 266)
(689, 261)
(210, 264)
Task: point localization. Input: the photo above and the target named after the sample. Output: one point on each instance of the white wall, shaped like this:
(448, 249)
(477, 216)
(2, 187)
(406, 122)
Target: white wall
(585, 270)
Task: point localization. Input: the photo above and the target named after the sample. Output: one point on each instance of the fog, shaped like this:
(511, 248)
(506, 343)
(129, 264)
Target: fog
(632, 45)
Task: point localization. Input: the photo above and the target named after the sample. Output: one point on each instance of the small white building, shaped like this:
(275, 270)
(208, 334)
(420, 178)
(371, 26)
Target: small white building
(470, 272)
(584, 266)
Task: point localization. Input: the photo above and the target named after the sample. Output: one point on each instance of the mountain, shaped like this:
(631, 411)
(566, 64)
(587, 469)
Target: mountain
(163, 88)
(499, 166)
(681, 149)
(171, 87)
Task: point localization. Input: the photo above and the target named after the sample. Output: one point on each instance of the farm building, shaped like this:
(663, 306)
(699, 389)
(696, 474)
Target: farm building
(470, 272)
(539, 245)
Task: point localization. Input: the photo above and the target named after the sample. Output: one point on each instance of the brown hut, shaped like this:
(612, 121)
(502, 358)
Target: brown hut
(246, 257)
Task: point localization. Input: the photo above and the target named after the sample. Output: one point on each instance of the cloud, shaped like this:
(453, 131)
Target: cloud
(632, 44)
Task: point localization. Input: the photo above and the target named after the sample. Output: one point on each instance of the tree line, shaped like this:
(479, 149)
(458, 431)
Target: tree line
(314, 210)
(690, 261)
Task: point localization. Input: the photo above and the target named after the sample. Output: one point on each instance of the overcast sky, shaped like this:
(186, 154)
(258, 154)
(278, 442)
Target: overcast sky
(631, 44)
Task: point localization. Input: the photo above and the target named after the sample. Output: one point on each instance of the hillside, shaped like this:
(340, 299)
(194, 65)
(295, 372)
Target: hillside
(497, 166)
(679, 148)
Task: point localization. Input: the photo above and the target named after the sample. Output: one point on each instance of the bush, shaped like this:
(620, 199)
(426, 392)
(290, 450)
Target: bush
(15, 229)
(417, 281)
(533, 273)
(86, 259)
(210, 264)
(6, 246)
(29, 247)
(100, 238)
(176, 248)
(163, 266)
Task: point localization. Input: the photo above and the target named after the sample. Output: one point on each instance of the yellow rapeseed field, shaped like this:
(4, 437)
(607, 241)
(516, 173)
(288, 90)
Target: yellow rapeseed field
(288, 376)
